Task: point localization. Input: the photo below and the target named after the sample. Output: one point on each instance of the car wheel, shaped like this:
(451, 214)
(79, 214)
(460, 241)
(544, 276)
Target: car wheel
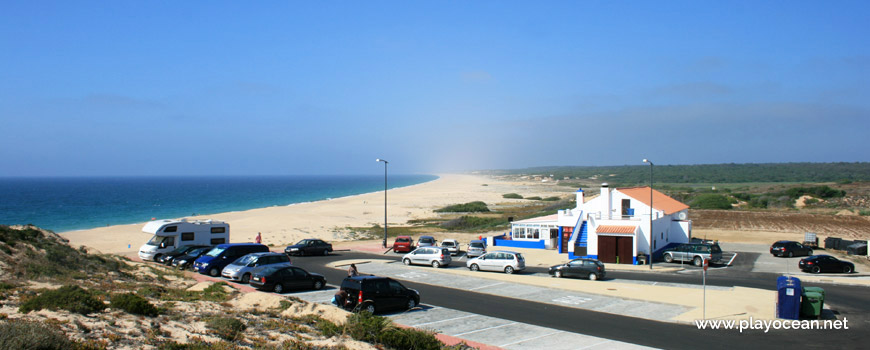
(593, 277)
(436, 264)
(407, 261)
(370, 308)
(698, 261)
(557, 274)
(318, 284)
(411, 303)
(214, 272)
(509, 270)
(790, 254)
(157, 257)
(278, 288)
(847, 269)
(325, 252)
(816, 269)
(474, 267)
(246, 278)
(669, 258)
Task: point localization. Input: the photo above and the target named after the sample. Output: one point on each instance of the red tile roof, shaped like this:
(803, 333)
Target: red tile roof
(615, 229)
(660, 200)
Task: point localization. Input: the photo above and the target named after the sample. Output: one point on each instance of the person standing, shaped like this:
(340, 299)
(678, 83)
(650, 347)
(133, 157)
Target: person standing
(352, 271)
(258, 239)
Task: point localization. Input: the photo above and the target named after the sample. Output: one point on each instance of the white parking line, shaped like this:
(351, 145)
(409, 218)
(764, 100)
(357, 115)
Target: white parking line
(596, 344)
(732, 260)
(450, 319)
(485, 329)
(486, 286)
(524, 340)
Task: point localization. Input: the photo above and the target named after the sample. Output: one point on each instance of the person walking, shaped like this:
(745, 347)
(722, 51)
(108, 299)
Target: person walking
(258, 239)
(352, 271)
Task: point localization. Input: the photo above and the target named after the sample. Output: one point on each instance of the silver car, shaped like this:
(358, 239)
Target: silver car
(240, 270)
(434, 256)
(427, 241)
(475, 248)
(451, 245)
(501, 260)
(694, 252)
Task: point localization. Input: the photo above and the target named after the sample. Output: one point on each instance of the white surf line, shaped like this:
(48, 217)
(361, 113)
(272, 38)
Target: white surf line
(486, 286)
(484, 329)
(732, 260)
(525, 340)
(449, 319)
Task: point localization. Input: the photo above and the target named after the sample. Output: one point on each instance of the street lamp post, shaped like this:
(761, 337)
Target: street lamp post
(650, 212)
(385, 198)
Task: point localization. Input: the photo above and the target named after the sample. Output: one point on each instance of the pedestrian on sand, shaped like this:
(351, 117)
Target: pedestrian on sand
(258, 239)
(352, 271)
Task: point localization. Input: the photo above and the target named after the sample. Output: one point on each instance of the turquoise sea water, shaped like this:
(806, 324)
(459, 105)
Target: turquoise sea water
(65, 204)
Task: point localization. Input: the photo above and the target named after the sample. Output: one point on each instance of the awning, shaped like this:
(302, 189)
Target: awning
(615, 229)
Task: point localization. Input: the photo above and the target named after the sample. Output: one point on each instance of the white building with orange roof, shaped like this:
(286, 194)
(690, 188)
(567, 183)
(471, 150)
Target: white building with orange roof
(613, 227)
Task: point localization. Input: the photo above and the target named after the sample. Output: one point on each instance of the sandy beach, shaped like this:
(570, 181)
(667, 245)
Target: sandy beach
(326, 219)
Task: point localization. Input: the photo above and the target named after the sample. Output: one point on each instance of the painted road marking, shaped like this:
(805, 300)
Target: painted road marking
(412, 275)
(451, 319)
(485, 329)
(732, 260)
(572, 300)
(487, 286)
(525, 340)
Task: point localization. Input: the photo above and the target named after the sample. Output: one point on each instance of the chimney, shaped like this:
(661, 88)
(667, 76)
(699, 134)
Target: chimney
(605, 193)
(579, 195)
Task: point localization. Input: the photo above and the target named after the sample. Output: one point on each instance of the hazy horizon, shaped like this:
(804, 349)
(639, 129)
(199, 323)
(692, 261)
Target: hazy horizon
(298, 88)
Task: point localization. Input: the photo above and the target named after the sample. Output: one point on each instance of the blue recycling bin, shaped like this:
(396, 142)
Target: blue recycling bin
(788, 300)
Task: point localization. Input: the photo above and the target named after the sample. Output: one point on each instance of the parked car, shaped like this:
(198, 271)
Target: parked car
(434, 256)
(790, 249)
(213, 262)
(501, 260)
(240, 270)
(166, 259)
(475, 248)
(403, 244)
(694, 252)
(426, 241)
(825, 263)
(378, 294)
(309, 246)
(184, 261)
(587, 268)
(451, 245)
(284, 276)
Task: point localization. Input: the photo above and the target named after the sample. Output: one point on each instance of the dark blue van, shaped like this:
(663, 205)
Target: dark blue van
(213, 262)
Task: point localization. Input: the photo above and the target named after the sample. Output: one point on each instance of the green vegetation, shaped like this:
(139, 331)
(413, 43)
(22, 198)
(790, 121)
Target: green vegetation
(533, 198)
(512, 196)
(551, 199)
(473, 223)
(133, 304)
(70, 298)
(226, 328)
(369, 328)
(30, 335)
(824, 192)
(707, 173)
(214, 292)
(710, 201)
(471, 207)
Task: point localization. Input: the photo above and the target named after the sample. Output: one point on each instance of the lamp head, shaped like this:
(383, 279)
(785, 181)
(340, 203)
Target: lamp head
(646, 160)
(378, 160)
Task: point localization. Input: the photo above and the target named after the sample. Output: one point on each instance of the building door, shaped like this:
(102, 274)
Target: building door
(566, 236)
(607, 249)
(623, 249)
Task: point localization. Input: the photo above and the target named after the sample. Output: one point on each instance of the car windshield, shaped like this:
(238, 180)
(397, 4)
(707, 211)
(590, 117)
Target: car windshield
(247, 259)
(180, 250)
(477, 245)
(215, 252)
(156, 240)
(446, 244)
(716, 249)
(302, 242)
(520, 257)
(198, 251)
(268, 270)
(426, 240)
(402, 240)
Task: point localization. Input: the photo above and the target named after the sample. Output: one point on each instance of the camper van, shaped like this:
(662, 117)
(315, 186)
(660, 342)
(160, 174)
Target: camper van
(170, 234)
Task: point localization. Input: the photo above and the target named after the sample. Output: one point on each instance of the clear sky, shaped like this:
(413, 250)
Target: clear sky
(325, 87)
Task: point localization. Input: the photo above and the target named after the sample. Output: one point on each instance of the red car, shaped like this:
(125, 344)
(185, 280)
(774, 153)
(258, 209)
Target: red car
(403, 244)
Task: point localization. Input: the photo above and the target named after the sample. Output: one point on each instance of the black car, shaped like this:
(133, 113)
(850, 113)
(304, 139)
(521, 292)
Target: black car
(790, 249)
(587, 268)
(378, 294)
(825, 263)
(284, 276)
(309, 246)
(184, 261)
(166, 259)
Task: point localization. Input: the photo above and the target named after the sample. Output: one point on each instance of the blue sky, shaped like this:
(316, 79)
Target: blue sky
(292, 87)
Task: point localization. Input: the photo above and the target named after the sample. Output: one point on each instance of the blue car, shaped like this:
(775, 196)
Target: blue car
(213, 262)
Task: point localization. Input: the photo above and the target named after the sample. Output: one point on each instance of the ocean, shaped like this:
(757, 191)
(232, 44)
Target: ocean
(67, 204)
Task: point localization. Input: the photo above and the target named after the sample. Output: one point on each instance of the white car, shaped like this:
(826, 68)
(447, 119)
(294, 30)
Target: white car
(434, 256)
(501, 260)
(451, 245)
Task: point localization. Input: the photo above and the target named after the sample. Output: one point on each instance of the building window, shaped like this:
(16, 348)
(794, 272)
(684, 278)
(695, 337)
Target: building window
(219, 229)
(216, 241)
(171, 229)
(187, 236)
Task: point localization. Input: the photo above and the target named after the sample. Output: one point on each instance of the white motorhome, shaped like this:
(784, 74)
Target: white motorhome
(170, 234)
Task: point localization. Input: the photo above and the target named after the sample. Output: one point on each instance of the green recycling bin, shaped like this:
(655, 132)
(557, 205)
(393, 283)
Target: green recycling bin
(819, 290)
(811, 305)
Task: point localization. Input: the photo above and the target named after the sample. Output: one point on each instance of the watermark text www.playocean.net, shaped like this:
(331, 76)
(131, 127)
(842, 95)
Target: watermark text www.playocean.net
(767, 325)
